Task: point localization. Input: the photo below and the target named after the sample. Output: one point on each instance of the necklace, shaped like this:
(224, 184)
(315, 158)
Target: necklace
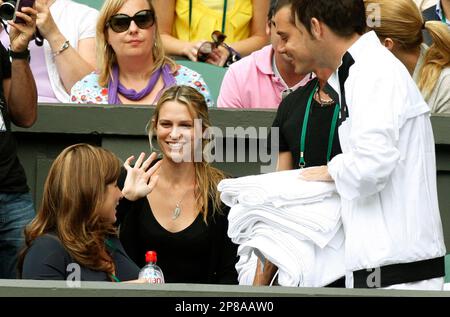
(323, 102)
(302, 162)
(177, 211)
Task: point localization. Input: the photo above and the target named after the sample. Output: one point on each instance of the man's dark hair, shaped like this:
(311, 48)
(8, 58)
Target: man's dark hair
(343, 17)
(275, 6)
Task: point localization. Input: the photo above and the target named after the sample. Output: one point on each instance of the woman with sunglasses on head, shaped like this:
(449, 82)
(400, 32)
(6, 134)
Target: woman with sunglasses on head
(133, 68)
(73, 236)
(187, 24)
(181, 217)
(68, 50)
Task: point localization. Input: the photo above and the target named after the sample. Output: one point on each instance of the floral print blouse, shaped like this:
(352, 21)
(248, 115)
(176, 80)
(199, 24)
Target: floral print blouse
(88, 91)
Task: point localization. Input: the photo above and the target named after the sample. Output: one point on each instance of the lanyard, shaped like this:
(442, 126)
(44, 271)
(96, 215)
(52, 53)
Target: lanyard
(302, 162)
(224, 17)
(115, 278)
(112, 247)
(444, 19)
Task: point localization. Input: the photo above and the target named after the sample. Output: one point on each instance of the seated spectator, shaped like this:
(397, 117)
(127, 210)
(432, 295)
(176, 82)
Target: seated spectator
(73, 236)
(186, 24)
(438, 12)
(312, 141)
(181, 217)
(68, 51)
(400, 30)
(133, 68)
(268, 74)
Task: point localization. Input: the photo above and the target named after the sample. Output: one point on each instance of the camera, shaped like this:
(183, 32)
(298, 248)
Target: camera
(9, 8)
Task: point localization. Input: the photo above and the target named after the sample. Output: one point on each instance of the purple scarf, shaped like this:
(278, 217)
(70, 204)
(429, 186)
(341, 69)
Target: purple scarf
(115, 87)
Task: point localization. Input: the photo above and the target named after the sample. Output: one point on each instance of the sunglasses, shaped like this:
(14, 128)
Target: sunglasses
(206, 48)
(121, 22)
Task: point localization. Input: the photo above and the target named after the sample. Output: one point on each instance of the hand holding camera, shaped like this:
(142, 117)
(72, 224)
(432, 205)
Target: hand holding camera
(9, 8)
(22, 19)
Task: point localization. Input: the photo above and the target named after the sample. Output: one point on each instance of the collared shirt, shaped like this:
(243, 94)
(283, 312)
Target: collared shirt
(386, 174)
(252, 83)
(288, 89)
(440, 13)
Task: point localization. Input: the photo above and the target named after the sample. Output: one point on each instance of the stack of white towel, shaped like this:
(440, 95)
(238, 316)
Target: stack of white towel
(293, 223)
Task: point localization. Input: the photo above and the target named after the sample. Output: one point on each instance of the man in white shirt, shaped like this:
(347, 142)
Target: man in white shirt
(386, 175)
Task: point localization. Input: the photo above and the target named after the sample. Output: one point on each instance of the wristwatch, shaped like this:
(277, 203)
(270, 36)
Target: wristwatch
(19, 55)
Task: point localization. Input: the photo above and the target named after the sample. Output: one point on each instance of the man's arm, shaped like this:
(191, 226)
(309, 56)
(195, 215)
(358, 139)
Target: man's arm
(22, 98)
(264, 273)
(20, 90)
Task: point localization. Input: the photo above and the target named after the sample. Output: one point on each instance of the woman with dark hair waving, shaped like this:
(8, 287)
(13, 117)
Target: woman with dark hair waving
(73, 235)
(181, 217)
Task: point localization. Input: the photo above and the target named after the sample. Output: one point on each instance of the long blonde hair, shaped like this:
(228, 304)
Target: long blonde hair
(437, 57)
(74, 191)
(106, 57)
(206, 177)
(402, 21)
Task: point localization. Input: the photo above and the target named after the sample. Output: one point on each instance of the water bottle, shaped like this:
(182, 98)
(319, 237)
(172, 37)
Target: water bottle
(151, 273)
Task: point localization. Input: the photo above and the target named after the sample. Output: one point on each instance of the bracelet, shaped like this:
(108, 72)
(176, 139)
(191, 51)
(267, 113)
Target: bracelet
(233, 57)
(65, 46)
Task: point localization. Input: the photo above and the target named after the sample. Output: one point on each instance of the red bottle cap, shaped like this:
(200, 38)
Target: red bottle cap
(150, 256)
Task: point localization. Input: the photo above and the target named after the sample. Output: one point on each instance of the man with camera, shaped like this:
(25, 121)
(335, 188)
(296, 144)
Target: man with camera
(18, 104)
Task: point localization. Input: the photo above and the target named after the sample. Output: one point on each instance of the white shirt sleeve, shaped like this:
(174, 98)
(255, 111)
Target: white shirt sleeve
(87, 27)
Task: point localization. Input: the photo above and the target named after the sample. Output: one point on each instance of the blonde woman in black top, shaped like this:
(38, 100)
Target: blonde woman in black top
(181, 218)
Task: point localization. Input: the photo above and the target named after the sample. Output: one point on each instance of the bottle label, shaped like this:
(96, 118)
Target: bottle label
(152, 276)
